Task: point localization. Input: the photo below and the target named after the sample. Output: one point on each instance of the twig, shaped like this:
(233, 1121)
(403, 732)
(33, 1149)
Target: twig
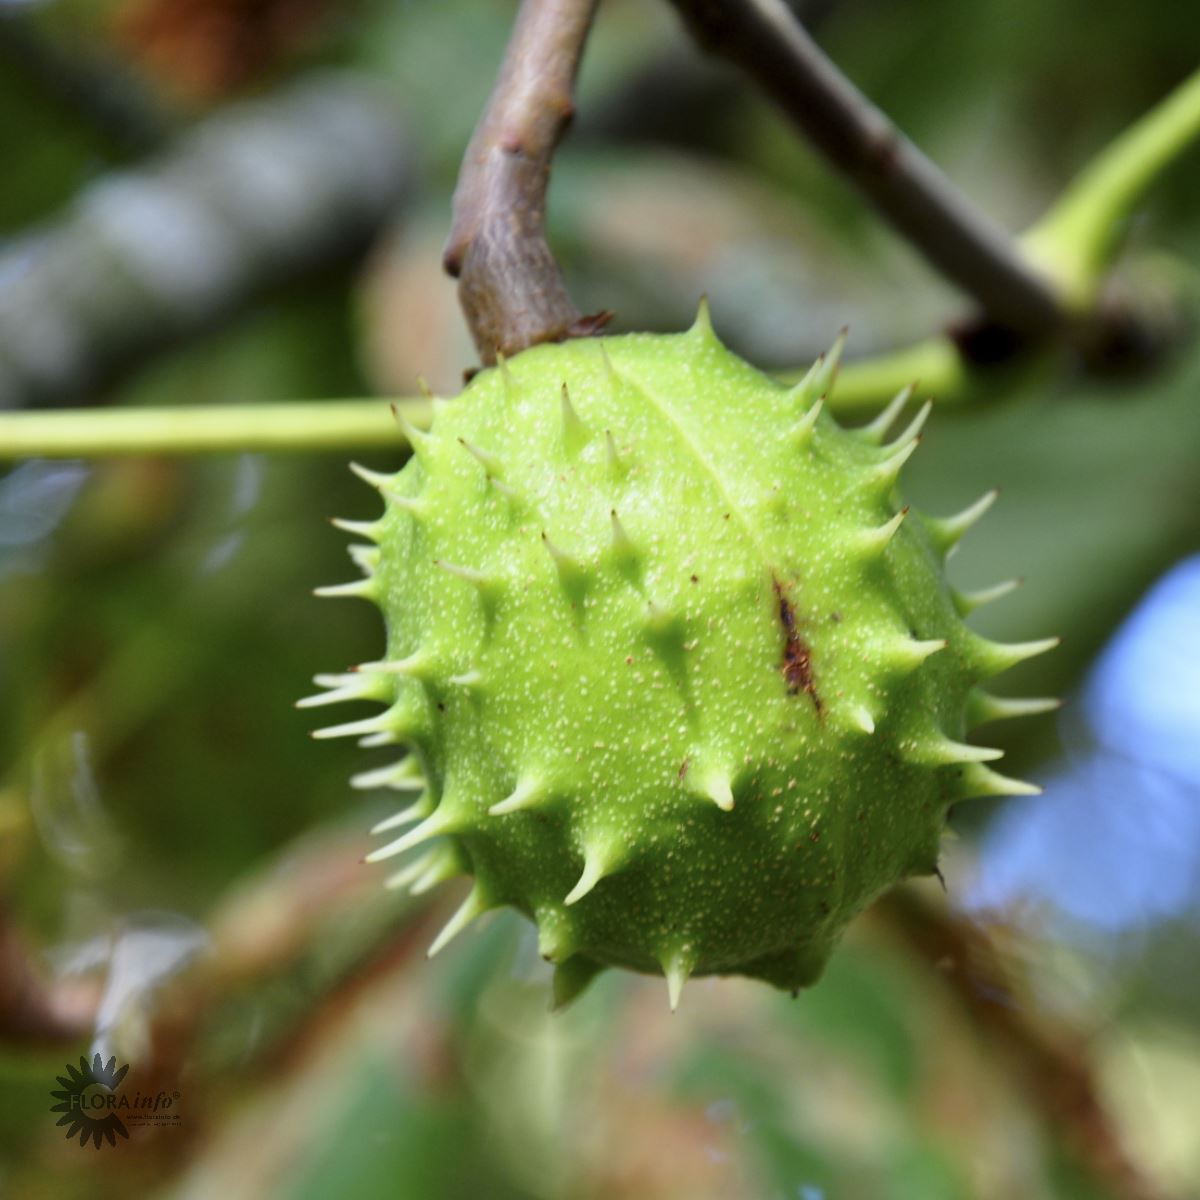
(766, 40)
(511, 289)
(1075, 243)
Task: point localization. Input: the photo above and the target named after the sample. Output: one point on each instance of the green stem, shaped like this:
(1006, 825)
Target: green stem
(934, 365)
(1077, 239)
(937, 370)
(311, 425)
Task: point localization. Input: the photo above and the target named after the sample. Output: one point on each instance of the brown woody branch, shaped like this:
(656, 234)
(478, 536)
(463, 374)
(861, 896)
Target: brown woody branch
(1048, 1060)
(769, 43)
(511, 289)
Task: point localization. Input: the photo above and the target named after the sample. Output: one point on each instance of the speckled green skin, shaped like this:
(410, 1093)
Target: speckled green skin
(749, 629)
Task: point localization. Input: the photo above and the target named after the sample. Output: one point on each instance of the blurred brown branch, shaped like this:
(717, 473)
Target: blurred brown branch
(768, 42)
(511, 289)
(254, 197)
(1049, 1060)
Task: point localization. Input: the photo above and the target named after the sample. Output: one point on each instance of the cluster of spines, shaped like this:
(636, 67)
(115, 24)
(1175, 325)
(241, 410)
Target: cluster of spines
(403, 722)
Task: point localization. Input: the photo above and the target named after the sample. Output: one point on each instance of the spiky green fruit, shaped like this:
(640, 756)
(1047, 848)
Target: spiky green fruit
(680, 678)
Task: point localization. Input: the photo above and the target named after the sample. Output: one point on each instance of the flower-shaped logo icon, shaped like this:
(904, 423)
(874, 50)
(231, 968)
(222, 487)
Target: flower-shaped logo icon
(87, 1101)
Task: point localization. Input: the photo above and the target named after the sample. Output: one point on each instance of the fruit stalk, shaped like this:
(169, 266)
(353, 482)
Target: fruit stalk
(511, 289)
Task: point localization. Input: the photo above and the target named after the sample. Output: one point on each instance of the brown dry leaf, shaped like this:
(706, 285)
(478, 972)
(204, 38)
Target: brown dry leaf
(202, 50)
